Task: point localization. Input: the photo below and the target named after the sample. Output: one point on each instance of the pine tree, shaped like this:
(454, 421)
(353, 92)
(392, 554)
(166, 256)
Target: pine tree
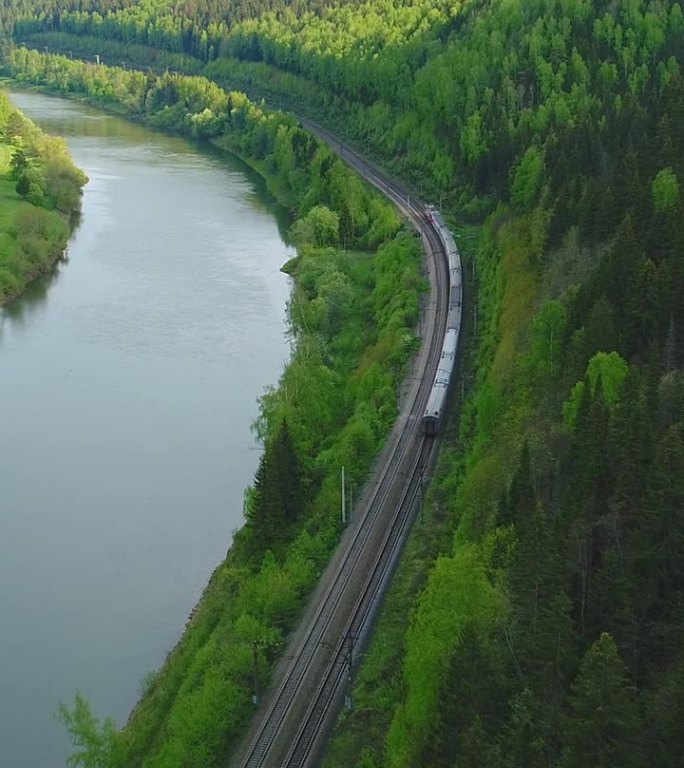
(521, 494)
(531, 574)
(642, 309)
(603, 726)
(553, 649)
(670, 348)
(289, 476)
(277, 499)
(665, 715)
(619, 264)
(631, 446)
(525, 741)
(473, 702)
(661, 555)
(588, 472)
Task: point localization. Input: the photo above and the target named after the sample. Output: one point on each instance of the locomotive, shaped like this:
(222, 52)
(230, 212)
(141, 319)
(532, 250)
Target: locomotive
(438, 394)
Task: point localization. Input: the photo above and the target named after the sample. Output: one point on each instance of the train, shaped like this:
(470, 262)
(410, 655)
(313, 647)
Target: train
(437, 399)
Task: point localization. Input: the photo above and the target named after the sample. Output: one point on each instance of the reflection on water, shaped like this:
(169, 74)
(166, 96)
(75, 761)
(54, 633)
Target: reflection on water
(34, 296)
(130, 376)
(74, 119)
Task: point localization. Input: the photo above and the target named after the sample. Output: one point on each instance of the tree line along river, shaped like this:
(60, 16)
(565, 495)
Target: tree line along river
(130, 378)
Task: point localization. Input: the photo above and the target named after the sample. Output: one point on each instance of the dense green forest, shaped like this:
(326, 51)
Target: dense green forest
(40, 193)
(546, 630)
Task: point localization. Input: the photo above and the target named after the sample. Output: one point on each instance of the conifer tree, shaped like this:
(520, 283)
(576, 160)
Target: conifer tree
(473, 704)
(662, 551)
(278, 495)
(665, 712)
(521, 494)
(603, 726)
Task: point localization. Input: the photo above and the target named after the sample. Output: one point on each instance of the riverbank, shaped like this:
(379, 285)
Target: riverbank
(40, 195)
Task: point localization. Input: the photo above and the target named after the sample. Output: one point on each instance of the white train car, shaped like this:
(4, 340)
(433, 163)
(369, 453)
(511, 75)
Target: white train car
(447, 361)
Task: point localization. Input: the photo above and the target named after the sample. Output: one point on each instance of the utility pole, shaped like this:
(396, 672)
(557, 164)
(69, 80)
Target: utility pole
(344, 505)
(255, 695)
(420, 496)
(348, 701)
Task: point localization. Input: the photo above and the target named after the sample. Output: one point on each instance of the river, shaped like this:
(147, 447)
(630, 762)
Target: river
(129, 380)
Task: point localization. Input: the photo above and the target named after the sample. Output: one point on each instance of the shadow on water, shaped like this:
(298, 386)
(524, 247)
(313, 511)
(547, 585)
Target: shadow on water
(67, 118)
(261, 198)
(34, 296)
(75, 118)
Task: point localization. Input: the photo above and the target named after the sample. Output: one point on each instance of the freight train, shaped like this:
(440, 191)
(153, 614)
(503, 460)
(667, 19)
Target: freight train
(437, 399)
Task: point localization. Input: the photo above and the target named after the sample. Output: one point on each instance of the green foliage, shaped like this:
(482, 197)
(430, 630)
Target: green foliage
(665, 190)
(603, 726)
(98, 744)
(607, 369)
(40, 189)
(527, 179)
(458, 598)
(277, 499)
(319, 227)
(549, 328)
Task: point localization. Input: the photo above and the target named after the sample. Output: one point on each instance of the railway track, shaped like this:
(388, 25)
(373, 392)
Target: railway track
(309, 684)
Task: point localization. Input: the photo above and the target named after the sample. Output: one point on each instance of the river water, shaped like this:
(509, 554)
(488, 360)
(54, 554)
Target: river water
(128, 383)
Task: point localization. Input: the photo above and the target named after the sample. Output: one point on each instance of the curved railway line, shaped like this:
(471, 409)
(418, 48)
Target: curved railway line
(309, 684)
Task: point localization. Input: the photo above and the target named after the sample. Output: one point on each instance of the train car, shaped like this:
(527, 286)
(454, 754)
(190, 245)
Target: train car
(430, 212)
(440, 388)
(438, 393)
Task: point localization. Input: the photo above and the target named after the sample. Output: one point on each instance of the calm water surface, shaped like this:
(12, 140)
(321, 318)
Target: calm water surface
(128, 382)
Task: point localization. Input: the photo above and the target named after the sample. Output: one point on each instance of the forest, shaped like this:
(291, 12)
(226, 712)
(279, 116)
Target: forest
(546, 606)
